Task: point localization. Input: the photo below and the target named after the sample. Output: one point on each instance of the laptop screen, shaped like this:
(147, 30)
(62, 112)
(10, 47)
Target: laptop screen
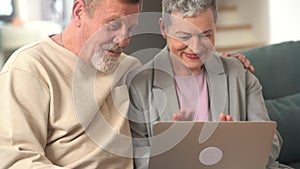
(211, 145)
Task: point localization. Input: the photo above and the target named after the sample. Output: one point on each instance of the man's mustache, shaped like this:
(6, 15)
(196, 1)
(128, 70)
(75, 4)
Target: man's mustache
(113, 48)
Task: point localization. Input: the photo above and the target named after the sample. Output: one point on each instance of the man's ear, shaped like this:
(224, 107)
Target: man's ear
(162, 28)
(77, 12)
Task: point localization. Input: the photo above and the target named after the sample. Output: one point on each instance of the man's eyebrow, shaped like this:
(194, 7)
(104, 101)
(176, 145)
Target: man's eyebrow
(181, 32)
(118, 18)
(111, 18)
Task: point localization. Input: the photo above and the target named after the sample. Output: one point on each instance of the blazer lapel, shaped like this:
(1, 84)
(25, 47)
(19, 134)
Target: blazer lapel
(217, 86)
(164, 90)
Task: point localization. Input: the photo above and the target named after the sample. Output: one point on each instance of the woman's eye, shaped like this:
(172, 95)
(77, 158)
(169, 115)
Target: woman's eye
(206, 35)
(202, 35)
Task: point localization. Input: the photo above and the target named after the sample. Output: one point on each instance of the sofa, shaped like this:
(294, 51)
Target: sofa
(277, 66)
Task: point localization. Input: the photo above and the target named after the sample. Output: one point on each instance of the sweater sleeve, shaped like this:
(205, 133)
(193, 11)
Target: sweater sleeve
(24, 107)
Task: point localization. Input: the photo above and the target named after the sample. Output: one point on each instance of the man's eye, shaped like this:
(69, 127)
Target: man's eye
(183, 38)
(130, 30)
(113, 26)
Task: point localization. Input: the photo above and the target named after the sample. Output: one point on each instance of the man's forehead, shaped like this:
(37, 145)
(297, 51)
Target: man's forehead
(128, 19)
(113, 9)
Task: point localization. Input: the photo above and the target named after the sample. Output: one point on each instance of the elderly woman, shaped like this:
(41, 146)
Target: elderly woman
(188, 80)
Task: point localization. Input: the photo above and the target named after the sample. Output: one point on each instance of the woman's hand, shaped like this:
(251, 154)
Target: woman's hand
(224, 117)
(184, 116)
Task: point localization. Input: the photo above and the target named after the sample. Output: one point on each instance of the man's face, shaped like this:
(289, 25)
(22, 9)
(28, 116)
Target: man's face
(107, 33)
(191, 39)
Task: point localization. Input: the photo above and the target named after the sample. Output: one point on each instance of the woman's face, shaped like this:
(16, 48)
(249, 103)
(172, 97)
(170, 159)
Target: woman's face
(191, 39)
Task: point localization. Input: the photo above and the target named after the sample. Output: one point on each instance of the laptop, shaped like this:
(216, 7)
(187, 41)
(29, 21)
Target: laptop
(211, 145)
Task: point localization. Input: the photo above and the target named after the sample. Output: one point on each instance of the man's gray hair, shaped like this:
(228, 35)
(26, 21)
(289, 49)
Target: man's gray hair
(187, 8)
(91, 5)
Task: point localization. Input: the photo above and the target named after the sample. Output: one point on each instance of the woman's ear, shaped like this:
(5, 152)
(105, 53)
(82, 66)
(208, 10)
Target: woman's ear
(162, 28)
(77, 12)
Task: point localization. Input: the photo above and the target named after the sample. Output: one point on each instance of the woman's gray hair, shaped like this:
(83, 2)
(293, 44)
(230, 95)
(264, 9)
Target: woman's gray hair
(187, 8)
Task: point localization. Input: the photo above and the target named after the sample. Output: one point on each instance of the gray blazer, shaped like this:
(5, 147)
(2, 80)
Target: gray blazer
(232, 90)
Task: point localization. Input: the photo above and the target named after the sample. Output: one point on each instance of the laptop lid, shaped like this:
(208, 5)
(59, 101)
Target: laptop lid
(211, 145)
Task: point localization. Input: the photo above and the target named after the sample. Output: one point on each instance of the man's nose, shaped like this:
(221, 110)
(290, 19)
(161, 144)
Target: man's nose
(122, 38)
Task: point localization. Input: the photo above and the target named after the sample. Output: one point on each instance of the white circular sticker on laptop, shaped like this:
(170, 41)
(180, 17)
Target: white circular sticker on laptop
(210, 156)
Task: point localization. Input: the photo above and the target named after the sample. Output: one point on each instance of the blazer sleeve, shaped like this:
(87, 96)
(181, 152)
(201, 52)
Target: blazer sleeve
(257, 112)
(137, 115)
(247, 102)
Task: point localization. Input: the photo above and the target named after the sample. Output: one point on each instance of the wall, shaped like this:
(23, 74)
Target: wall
(273, 21)
(253, 12)
(68, 11)
(147, 40)
(28, 9)
(284, 20)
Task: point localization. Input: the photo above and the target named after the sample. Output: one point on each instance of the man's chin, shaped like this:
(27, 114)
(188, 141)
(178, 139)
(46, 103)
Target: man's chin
(105, 68)
(106, 64)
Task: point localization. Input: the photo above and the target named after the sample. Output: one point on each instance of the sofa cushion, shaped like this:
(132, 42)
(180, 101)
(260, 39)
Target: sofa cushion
(283, 112)
(277, 66)
(295, 165)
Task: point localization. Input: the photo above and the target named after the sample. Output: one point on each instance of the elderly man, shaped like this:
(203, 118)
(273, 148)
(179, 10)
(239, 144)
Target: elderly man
(42, 99)
(63, 101)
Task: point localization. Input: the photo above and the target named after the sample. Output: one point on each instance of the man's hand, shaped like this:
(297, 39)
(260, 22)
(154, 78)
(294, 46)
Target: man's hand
(242, 58)
(224, 117)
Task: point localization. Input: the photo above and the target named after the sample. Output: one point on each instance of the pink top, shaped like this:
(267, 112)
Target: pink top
(192, 94)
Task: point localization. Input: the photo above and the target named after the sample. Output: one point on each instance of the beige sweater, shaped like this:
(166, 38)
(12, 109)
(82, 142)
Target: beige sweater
(48, 111)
